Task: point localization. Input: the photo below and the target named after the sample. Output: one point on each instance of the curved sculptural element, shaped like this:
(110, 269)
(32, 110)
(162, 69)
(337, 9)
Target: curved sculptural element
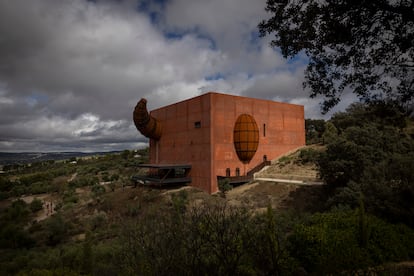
(146, 124)
(245, 137)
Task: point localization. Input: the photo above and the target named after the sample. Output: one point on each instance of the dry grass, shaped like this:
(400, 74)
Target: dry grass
(290, 167)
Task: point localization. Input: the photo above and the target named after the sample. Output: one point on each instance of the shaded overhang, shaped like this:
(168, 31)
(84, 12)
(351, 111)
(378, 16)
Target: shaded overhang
(160, 174)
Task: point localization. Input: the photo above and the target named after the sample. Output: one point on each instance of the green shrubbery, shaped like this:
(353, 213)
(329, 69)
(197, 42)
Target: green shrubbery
(36, 205)
(12, 221)
(308, 155)
(314, 130)
(224, 186)
(209, 239)
(371, 154)
(335, 241)
(221, 240)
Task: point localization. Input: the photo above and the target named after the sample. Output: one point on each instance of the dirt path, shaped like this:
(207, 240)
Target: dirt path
(49, 204)
(73, 177)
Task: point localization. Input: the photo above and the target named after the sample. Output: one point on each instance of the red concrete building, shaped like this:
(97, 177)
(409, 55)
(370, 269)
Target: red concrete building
(202, 135)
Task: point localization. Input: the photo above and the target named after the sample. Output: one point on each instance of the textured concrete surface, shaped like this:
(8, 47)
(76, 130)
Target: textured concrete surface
(199, 131)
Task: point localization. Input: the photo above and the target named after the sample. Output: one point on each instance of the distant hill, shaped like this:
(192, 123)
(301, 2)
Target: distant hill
(8, 158)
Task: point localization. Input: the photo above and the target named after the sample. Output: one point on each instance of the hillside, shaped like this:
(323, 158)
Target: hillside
(119, 193)
(88, 218)
(288, 183)
(295, 166)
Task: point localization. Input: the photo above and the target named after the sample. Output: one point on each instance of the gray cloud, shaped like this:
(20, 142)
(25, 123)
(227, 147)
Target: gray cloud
(72, 71)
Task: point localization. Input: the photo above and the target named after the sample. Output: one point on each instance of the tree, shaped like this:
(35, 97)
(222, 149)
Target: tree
(330, 134)
(377, 113)
(366, 46)
(224, 186)
(348, 242)
(372, 155)
(57, 229)
(314, 129)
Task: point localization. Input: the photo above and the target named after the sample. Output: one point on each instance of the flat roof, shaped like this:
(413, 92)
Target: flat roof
(223, 94)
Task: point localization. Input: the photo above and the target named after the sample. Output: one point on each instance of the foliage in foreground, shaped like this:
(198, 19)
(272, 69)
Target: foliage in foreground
(365, 47)
(221, 240)
(370, 153)
(214, 239)
(349, 241)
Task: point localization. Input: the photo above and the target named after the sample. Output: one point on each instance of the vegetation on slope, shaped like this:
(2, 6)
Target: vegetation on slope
(370, 154)
(102, 226)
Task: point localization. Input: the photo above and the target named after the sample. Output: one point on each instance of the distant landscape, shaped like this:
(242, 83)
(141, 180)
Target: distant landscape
(10, 158)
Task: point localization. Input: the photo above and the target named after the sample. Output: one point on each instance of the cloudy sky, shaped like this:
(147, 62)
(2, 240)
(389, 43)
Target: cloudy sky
(72, 71)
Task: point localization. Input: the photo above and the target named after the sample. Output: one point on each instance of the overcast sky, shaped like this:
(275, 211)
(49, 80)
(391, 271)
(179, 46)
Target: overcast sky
(72, 71)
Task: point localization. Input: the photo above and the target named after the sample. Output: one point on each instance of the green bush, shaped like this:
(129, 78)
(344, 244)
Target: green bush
(17, 212)
(39, 187)
(57, 229)
(308, 155)
(314, 130)
(83, 181)
(98, 190)
(12, 236)
(98, 220)
(5, 184)
(70, 196)
(333, 242)
(18, 190)
(179, 201)
(284, 160)
(224, 186)
(371, 153)
(213, 239)
(36, 205)
(114, 177)
(133, 210)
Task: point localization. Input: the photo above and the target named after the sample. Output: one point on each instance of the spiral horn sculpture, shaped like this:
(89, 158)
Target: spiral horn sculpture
(146, 124)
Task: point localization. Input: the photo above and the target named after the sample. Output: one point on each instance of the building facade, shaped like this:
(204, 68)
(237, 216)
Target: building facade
(203, 132)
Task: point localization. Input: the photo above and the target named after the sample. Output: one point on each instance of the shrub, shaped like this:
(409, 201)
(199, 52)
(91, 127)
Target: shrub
(284, 159)
(179, 201)
(36, 205)
(5, 184)
(70, 196)
(98, 190)
(335, 241)
(308, 155)
(98, 220)
(39, 187)
(209, 240)
(224, 186)
(57, 229)
(17, 213)
(133, 210)
(18, 190)
(15, 237)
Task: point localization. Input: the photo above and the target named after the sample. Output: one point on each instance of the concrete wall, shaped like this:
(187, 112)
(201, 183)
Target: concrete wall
(185, 138)
(281, 129)
(199, 131)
